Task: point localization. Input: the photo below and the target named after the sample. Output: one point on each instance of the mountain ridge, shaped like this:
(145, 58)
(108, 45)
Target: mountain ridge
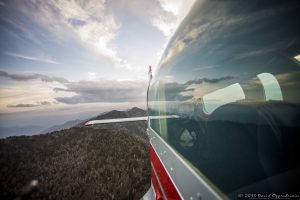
(115, 114)
(35, 130)
(135, 128)
(66, 125)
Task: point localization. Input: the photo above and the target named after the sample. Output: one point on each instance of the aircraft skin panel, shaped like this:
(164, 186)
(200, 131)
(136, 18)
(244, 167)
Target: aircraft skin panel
(169, 190)
(188, 183)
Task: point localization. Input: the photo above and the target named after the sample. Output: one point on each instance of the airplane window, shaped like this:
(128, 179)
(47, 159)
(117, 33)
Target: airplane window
(234, 85)
(222, 96)
(271, 86)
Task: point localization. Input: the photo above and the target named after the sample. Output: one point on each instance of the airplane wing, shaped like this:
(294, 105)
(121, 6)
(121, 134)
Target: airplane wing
(128, 119)
(107, 121)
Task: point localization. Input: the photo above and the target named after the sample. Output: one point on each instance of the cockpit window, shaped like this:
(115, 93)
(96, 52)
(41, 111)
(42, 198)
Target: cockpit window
(234, 95)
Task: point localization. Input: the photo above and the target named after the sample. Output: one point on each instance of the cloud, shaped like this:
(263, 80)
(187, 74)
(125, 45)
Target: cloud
(23, 77)
(89, 91)
(210, 80)
(169, 14)
(26, 57)
(175, 91)
(125, 91)
(187, 36)
(165, 22)
(94, 25)
(103, 91)
(22, 105)
(176, 48)
(216, 38)
(88, 22)
(44, 103)
(165, 15)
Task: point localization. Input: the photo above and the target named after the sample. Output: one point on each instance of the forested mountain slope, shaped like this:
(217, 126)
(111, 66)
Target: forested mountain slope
(77, 163)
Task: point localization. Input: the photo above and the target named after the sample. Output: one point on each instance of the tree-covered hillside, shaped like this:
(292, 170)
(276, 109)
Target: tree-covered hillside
(78, 163)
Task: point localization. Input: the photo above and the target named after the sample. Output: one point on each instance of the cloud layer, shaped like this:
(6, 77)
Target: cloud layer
(22, 105)
(94, 26)
(28, 77)
(103, 91)
(86, 91)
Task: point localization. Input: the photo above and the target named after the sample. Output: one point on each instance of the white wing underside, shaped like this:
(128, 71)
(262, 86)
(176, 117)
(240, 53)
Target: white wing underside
(129, 119)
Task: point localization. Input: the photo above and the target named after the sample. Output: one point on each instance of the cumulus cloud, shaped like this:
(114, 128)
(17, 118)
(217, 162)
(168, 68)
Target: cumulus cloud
(28, 77)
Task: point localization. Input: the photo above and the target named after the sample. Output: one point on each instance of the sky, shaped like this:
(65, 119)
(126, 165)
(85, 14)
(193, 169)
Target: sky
(64, 60)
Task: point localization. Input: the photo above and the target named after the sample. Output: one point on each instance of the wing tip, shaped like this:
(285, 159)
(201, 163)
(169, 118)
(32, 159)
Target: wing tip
(88, 124)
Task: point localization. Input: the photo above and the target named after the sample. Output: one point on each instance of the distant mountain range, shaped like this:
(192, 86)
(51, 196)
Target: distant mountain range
(34, 130)
(66, 125)
(115, 114)
(20, 130)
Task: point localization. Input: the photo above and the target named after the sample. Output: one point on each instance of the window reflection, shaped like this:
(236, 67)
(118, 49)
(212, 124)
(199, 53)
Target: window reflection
(297, 57)
(235, 89)
(271, 86)
(223, 96)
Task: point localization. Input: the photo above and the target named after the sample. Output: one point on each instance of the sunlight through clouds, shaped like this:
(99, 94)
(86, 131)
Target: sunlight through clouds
(59, 53)
(95, 27)
(172, 13)
(87, 21)
(28, 96)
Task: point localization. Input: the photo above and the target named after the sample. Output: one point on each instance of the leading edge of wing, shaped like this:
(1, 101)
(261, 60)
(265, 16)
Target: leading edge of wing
(128, 119)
